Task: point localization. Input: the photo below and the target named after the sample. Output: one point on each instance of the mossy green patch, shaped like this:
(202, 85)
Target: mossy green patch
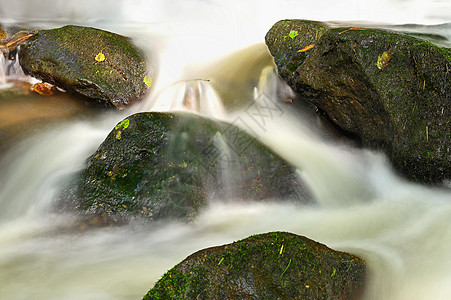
(274, 265)
(89, 62)
(382, 86)
(161, 165)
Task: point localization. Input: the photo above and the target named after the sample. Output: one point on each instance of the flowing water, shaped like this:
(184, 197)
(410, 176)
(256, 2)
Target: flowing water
(205, 58)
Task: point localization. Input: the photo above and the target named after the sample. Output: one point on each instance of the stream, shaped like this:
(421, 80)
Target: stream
(213, 52)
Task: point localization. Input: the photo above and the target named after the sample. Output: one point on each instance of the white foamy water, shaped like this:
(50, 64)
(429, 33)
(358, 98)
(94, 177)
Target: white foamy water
(401, 229)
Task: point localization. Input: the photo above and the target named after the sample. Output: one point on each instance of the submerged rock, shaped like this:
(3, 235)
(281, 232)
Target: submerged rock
(96, 64)
(391, 90)
(160, 165)
(274, 265)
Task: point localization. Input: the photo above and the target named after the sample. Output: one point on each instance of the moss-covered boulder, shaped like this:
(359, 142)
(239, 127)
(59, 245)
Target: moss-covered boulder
(96, 64)
(274, 265)
(389, 89)
(161, 165)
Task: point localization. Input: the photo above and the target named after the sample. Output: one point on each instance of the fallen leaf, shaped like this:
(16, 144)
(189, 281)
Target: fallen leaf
(16, 39)
(383, 59)
(307, 48)
(123, 124)
(42, 88)
(355, 28)
(100, 56)
(148, 81)
(293, 34)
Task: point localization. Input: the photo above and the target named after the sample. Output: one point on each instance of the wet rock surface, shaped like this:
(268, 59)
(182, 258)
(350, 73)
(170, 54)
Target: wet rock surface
(98, 65)
(161, 165)
(274, 265)
(391, 90)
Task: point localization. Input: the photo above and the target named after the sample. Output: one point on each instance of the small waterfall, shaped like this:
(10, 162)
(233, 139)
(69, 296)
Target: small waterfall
(3, 68)
(11, 70)
(196, 96)
(228, 168)
(33, 169)
(14, 71)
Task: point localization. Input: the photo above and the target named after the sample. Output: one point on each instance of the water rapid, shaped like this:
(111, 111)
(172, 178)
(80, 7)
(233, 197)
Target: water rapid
(363, 207)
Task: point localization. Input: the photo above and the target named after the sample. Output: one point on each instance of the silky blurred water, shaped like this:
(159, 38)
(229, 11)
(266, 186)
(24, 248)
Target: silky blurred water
(401, 229)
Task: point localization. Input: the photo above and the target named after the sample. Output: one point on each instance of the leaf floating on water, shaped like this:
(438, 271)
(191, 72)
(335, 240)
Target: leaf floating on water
(148, 80)
(383, 59)
(43, 89)
(307, 48)
(100, 56)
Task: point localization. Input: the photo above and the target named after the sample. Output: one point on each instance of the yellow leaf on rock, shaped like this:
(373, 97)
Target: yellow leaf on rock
(307, 48)
(383, 59)
(100, 56)
(148, 80)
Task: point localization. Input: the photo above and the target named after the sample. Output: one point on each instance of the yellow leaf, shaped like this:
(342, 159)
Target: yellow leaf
(100, 56)
(307, 48)
(383, 59)
(148, 80)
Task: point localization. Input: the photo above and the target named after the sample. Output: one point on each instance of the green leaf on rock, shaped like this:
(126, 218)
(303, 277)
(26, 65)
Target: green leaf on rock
(293, 34)
(123, 124)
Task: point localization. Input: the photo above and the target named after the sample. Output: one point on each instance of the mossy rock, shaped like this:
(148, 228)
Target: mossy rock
(391, 90)
(102, 66)
(274, 265)
(162, 165)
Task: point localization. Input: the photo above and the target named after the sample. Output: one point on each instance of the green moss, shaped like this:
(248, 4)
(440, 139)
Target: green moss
(67, 57)
(166, 165)
(266, 266)
(382, 86)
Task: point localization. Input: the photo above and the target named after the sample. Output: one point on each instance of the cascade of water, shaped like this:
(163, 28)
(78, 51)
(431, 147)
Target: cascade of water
(2, 70)
(33, 170)
(14, 70)
(196, 96)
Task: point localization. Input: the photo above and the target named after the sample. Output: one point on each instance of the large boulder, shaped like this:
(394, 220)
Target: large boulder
(389, 89)
(162, 165)
(274, 265)
(96, 64)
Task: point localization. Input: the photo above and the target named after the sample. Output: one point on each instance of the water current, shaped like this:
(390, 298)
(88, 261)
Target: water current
(206, 52)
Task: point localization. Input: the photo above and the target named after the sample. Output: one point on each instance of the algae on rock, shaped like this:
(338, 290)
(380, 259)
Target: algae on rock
(164, 165)
(276, 265)
(391, 90)
(93, 63)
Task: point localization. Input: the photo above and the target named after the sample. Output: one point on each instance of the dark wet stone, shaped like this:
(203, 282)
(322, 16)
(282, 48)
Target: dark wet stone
(273, 265)
(161, 165)
(389, 89)
(96, 64)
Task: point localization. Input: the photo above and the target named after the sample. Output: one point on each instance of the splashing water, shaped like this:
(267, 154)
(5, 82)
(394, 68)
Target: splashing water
(2, 71)
(401, 229)
(196, 96)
